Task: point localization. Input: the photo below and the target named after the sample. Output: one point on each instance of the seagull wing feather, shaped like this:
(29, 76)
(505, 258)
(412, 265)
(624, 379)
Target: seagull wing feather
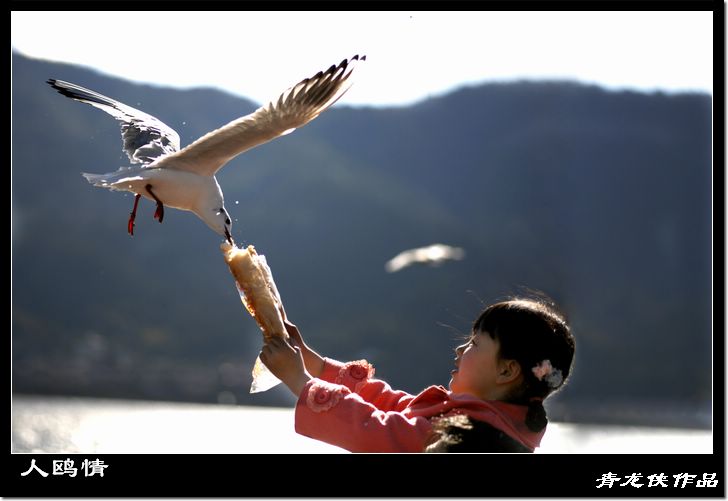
(145, 137)
(294, 108)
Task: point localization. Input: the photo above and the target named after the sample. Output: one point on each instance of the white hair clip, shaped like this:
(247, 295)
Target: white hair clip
(544, 371)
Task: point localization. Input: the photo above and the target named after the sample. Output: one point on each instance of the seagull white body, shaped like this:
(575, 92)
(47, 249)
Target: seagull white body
(182, 190)
(185, 178)
(178, 189)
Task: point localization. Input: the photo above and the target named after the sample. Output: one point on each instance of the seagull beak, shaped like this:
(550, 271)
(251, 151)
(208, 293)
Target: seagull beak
(228, 237)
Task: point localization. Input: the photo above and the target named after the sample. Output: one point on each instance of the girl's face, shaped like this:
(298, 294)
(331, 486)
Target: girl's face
(477, 366)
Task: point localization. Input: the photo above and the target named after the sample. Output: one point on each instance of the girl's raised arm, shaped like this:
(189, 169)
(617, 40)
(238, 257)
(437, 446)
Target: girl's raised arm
(313, 361)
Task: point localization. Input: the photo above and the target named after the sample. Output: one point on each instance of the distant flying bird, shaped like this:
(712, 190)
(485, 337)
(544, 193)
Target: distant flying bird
(185, 178)
(434, 255)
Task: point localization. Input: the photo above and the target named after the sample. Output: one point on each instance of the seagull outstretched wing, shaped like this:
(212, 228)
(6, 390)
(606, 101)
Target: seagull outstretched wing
(145, 137)
(294, 108)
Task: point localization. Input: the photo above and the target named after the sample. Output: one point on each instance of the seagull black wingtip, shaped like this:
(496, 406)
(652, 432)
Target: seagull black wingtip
(61, 90)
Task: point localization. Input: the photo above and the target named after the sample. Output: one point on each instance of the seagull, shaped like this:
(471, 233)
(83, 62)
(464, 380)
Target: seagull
(185, 178)
(434, 255)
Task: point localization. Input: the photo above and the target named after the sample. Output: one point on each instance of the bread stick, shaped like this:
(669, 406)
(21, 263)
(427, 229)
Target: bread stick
(257, 289)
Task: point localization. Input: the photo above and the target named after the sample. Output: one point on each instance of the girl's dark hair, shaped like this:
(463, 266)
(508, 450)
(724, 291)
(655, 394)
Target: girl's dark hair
(460, 433)
(531, 331)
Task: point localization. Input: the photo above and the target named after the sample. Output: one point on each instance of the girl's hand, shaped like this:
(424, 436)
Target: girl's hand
(286, 363)
(313, 361)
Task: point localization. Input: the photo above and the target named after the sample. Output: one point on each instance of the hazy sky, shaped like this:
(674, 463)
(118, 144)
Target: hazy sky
(411, 55)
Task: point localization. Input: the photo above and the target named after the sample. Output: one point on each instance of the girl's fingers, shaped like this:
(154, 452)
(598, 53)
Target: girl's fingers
(292, 345)
(293, 332)
(274, 342)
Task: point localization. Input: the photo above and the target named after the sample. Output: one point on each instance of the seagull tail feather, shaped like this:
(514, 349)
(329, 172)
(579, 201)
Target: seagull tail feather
(111, 180)
(98, 179)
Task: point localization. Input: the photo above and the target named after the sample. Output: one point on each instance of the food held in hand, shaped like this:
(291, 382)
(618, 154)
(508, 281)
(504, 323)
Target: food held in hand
(257, 289)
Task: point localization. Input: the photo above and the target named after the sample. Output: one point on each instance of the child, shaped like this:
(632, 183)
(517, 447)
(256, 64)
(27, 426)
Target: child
(518, 353)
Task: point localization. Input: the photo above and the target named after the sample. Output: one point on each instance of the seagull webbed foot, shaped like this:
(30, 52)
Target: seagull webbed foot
(159, 212)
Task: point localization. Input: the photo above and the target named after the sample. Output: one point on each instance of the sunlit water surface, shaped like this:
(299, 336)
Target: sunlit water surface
(83, 425)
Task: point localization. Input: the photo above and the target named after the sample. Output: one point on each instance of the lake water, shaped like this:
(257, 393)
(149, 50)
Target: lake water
(85, 425)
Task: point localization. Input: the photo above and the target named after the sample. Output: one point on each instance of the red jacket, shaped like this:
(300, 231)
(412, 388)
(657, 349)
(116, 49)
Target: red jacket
(347, 408)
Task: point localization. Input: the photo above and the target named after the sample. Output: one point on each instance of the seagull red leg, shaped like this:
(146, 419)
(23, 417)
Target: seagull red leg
(132, 216)
(159, 212)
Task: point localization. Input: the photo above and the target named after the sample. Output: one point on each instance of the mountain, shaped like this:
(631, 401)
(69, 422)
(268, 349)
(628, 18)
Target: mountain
(601, 199)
